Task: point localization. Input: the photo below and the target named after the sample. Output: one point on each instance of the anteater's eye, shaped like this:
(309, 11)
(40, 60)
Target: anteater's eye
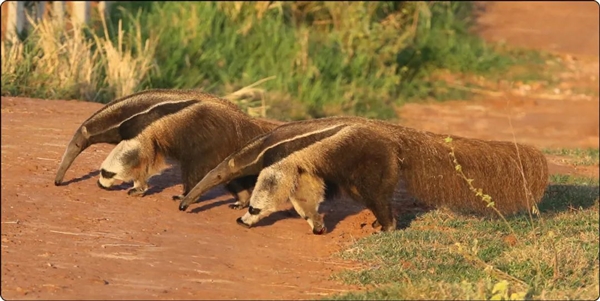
(253, 211)
(107, 174)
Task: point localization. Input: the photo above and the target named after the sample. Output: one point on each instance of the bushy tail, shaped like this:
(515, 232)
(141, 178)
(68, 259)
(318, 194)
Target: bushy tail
(514, 175)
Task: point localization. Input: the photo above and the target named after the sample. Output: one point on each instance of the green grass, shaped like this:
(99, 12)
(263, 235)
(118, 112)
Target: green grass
(577, 156)
(357, 58)
(350, 70)
(442, 255)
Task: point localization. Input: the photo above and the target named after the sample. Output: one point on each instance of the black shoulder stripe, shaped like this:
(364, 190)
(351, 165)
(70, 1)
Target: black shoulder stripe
(136, 124)
(286, 147)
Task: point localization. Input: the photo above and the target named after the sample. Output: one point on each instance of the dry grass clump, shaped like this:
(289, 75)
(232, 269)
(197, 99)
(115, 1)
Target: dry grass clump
(251, 99)
(56, 62)
(124, 70)
(10, 57)
(67, 59)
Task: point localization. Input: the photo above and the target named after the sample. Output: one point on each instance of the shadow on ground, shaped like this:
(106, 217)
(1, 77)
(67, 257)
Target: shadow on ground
(168, 178)
(87, 176)
(561, 197)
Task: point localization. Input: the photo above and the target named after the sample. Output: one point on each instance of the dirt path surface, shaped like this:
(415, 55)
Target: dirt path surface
(559, 26)
(81, 242)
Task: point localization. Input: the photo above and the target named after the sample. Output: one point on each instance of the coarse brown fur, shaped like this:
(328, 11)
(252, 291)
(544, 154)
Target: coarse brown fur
(367, 158)
(109, 124)
(198, 136)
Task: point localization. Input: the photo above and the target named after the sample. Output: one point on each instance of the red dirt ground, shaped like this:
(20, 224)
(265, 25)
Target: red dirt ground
(81, 242)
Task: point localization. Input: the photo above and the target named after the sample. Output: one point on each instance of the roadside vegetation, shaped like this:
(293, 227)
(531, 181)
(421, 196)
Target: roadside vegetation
(322, 58)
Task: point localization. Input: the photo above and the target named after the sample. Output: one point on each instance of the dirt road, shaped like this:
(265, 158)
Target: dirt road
(78, 241)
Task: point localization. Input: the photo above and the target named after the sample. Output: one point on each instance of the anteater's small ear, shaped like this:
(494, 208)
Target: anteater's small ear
(231, 163)
(84, 132)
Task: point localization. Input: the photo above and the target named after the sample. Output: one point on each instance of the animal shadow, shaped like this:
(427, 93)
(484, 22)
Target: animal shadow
(89, 175)
(93, 174)
(336, 210)
(213, 194)
(561, 197)
(168, 178)
(405, 207)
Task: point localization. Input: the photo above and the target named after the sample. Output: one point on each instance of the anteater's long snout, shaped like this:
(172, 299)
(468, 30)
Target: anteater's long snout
(75, 147)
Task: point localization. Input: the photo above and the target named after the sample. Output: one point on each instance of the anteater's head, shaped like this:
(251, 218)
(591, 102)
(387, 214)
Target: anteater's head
(122, 164)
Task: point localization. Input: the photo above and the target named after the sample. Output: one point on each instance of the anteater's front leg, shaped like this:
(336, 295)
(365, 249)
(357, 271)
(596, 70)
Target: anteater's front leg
(139, 188)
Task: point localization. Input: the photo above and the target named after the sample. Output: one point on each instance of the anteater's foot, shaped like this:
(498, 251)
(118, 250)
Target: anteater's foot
(100, 185)
(238, 206)
(137, 192)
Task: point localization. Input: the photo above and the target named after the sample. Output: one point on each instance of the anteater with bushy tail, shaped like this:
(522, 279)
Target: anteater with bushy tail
(308, 161)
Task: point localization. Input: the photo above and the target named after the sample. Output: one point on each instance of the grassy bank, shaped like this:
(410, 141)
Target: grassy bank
(357, 58)
(445, 256)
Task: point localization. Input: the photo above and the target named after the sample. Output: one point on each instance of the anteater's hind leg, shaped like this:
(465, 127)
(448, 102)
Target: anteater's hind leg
(376, 194)
(273, 187)
(306, 198)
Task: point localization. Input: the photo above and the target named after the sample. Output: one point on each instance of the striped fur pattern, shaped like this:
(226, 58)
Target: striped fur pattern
(166, 124)
(113, 122)
(197, 136)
